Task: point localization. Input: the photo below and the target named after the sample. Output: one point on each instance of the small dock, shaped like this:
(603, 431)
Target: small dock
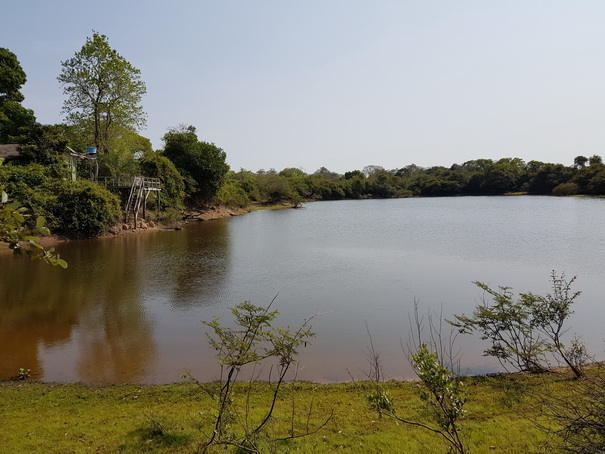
(140, 188)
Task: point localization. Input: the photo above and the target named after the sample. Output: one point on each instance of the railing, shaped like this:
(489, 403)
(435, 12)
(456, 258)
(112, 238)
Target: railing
(149, 183)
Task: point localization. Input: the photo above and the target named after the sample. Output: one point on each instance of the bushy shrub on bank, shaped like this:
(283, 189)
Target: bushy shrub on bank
(232, 194)
(153, 164)
(83, 209)
(78, 209)
(29, 184)
(566, 189)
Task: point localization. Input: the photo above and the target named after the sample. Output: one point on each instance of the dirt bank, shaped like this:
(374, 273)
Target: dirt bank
(214, 212)
(205, 214)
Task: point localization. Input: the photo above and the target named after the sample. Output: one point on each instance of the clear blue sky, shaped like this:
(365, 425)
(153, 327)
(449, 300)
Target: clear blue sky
(342, 83)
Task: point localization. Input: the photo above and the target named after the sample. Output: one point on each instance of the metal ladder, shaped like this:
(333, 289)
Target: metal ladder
(134, 199)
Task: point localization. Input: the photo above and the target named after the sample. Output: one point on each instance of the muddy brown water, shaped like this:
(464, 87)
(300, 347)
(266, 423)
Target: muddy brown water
(129, 309)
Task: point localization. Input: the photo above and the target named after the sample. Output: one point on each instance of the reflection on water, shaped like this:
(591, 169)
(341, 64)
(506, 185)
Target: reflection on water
(97, 302)
(202, 261)
(115, 335)
(129, 309)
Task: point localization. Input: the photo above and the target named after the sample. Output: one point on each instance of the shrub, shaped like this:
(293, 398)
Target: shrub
(442, 390)
(566, 189)
(578, 414)
(154, 164)
(524, 330)
(22, 183)
(83, 209)
(232, 194)
(253, 341)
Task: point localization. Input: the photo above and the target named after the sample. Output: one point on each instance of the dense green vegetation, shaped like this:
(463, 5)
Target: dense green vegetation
(201, 164)
(80, 209)
(22, 236)
(477, 177)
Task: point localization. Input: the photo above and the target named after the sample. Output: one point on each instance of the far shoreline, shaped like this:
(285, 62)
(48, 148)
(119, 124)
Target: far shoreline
(216, 212)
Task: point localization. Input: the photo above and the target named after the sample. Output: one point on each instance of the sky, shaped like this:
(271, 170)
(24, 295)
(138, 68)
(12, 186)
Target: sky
(341, 84)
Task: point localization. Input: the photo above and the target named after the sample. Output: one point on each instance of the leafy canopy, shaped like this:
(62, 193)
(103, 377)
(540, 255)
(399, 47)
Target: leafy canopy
(203, 165)
(104, 93)
(14, 118)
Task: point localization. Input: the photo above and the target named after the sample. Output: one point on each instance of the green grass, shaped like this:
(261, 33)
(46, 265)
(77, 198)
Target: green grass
(74, 418)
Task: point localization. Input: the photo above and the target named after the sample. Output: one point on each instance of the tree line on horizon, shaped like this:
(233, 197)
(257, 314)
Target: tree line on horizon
(103, 109)
(475, 177)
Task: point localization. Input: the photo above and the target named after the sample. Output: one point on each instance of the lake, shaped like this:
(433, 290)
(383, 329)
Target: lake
(129, 308)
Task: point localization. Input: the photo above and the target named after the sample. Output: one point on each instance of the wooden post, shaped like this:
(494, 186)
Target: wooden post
(145, 205)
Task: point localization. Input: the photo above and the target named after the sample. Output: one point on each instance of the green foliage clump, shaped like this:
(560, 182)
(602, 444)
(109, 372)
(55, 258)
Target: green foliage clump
(444, 389)
(273, 187)
(80, 209)
(444, 392)
(83, 209)
(564, 189)
(154, 164)
(45, 144)
(203, 165)
(121, 159)
(21, 238)
(29, 184)
(543, 178)
(232, 194)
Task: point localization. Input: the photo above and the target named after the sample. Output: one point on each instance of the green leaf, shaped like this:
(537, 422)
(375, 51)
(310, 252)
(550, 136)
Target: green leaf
(58, 262)
(19, 217)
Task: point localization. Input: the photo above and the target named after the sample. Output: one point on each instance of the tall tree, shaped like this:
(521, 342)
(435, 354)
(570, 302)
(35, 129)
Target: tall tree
(14, 118)
(595, 160)
(203, 165)
(104, 93)
(579, 162)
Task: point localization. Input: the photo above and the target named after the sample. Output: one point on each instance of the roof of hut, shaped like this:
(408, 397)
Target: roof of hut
(9, 152)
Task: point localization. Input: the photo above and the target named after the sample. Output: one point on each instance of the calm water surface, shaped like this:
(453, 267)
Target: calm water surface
(129, 309)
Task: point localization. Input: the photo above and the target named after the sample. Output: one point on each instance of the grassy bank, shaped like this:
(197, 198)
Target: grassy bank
(62, 418)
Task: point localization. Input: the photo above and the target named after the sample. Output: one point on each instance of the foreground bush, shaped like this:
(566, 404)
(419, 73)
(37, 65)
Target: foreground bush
(579, 415)
(525, 331)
